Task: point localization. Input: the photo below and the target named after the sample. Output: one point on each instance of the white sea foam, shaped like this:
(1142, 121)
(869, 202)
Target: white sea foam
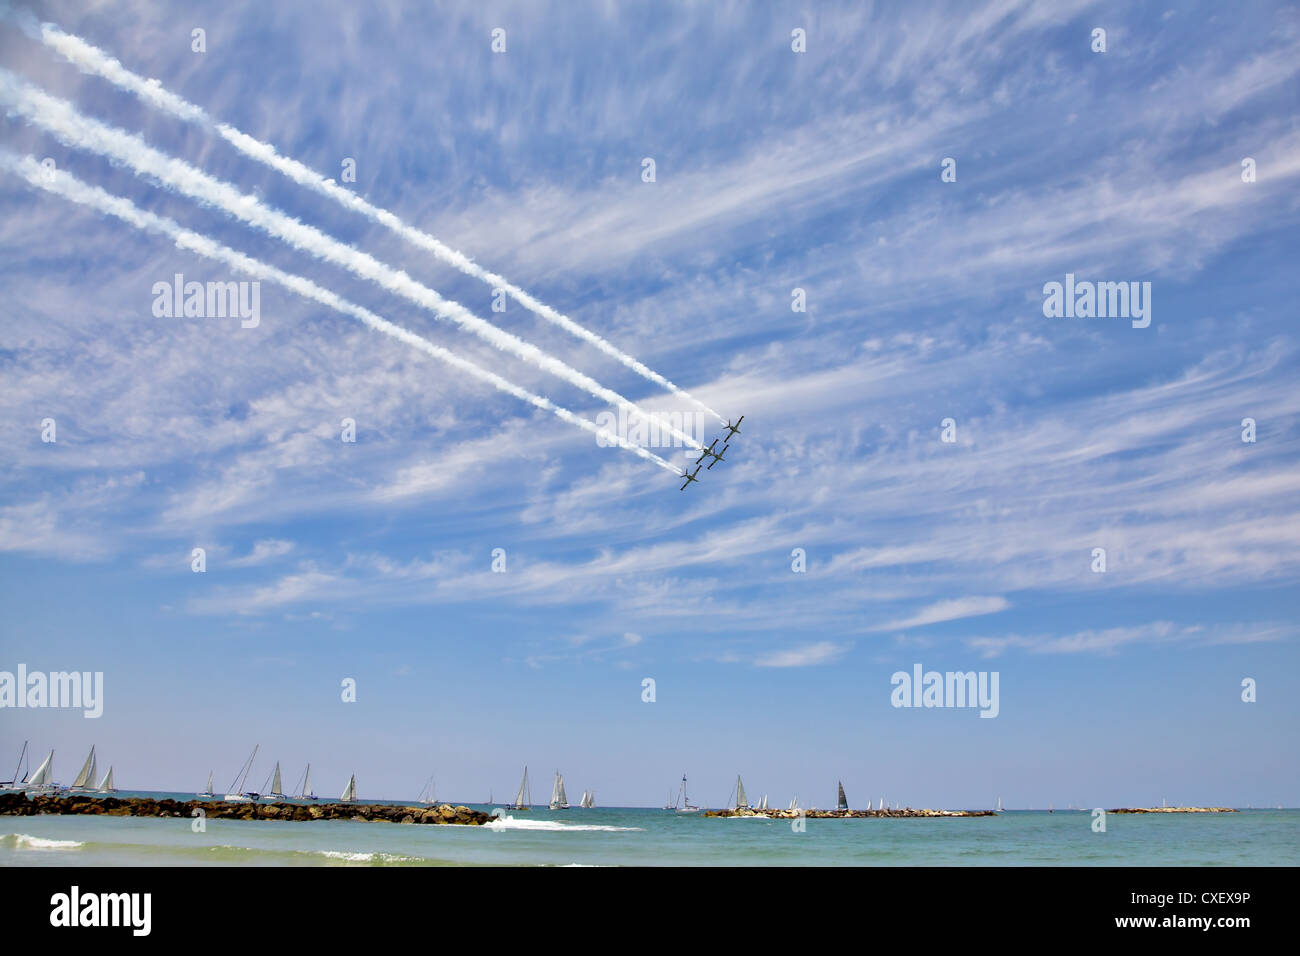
(553, 826)
(23, 841)
(360, 857)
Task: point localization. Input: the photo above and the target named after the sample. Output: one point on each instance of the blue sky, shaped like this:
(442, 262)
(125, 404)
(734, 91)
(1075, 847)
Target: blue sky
(774, 171)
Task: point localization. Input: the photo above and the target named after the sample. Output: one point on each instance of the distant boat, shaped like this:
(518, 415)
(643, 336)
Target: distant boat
(276, 793)
(42, 780)
(684, 800)
(794, 803)
(350, 791)
(490, 800)
(16, 782)
(559, 801)
(237, 793)
(999, 810)
(670, 804)
(763, 803)
(524, 797)
(106, 785)
(427, 793)
(842, 801)
(304, 792)
(85, 781)
(882, 804)
(741, 802)
(208, 792)
(588, 799)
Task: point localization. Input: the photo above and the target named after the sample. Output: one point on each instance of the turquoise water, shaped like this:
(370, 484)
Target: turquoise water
(616, 836)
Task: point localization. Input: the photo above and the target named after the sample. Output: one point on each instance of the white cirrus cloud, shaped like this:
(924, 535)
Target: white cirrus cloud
(823, 652)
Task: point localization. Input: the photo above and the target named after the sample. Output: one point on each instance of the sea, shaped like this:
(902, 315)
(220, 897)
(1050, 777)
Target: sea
(626, 836)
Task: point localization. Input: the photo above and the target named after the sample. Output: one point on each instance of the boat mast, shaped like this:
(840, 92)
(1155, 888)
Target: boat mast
(242, 778)
(21, 755)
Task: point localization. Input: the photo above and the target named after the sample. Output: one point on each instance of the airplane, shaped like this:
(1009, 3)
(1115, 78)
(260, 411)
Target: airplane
(732, 429)
(706, 451)
(717, 456)
(689, 477)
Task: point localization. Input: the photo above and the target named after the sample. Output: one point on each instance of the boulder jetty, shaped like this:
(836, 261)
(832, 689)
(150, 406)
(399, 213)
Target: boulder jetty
(19, 804)
(846, 814)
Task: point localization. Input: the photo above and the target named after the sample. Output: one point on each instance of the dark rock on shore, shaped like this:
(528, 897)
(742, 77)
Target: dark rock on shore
(19, 804)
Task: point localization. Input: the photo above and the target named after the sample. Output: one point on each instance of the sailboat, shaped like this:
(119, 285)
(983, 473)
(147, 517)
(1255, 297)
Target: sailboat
(16, 782)
(559, 800)
(426, 795)
(490, 800)
(276, 793)
(684, 800)
(304, 792)
(999, 810)
(842, 801)
(523, 795)
(208, 792)
(741, 802)
(106, 785)
(85, 781)
(350, 791)
(669, 804)
(42, 781)
(794, 803)
(882, 804)
(237, 793)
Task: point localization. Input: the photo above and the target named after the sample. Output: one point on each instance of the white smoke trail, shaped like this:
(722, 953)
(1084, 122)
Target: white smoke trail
(69, 187)
(93, 60)
(60, 118)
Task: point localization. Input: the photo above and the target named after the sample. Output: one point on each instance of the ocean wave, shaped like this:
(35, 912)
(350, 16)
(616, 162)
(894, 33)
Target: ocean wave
(360, 857)
(552, 826)
(24, 841)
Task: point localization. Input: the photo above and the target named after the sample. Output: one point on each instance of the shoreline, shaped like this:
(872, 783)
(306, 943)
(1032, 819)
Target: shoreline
(21, 805)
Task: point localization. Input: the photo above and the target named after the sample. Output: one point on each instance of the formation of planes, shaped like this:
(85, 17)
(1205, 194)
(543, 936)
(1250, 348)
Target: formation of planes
(708, 452)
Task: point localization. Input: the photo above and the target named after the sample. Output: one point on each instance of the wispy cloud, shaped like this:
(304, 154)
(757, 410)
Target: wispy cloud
(809, 655)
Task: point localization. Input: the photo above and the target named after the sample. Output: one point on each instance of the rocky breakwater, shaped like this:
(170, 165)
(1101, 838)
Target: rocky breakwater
(18, 804)
(847, 814)
(1173, 810)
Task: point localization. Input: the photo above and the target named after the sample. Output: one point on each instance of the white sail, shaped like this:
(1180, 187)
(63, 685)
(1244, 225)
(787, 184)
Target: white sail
(794, 803)
(523, 788)
(87, 774)
(277, 789)
(208, 792)
(350, 791)
(741, 802)
(44, 775)
(106, 785)
(306, 783)
(558, 799)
